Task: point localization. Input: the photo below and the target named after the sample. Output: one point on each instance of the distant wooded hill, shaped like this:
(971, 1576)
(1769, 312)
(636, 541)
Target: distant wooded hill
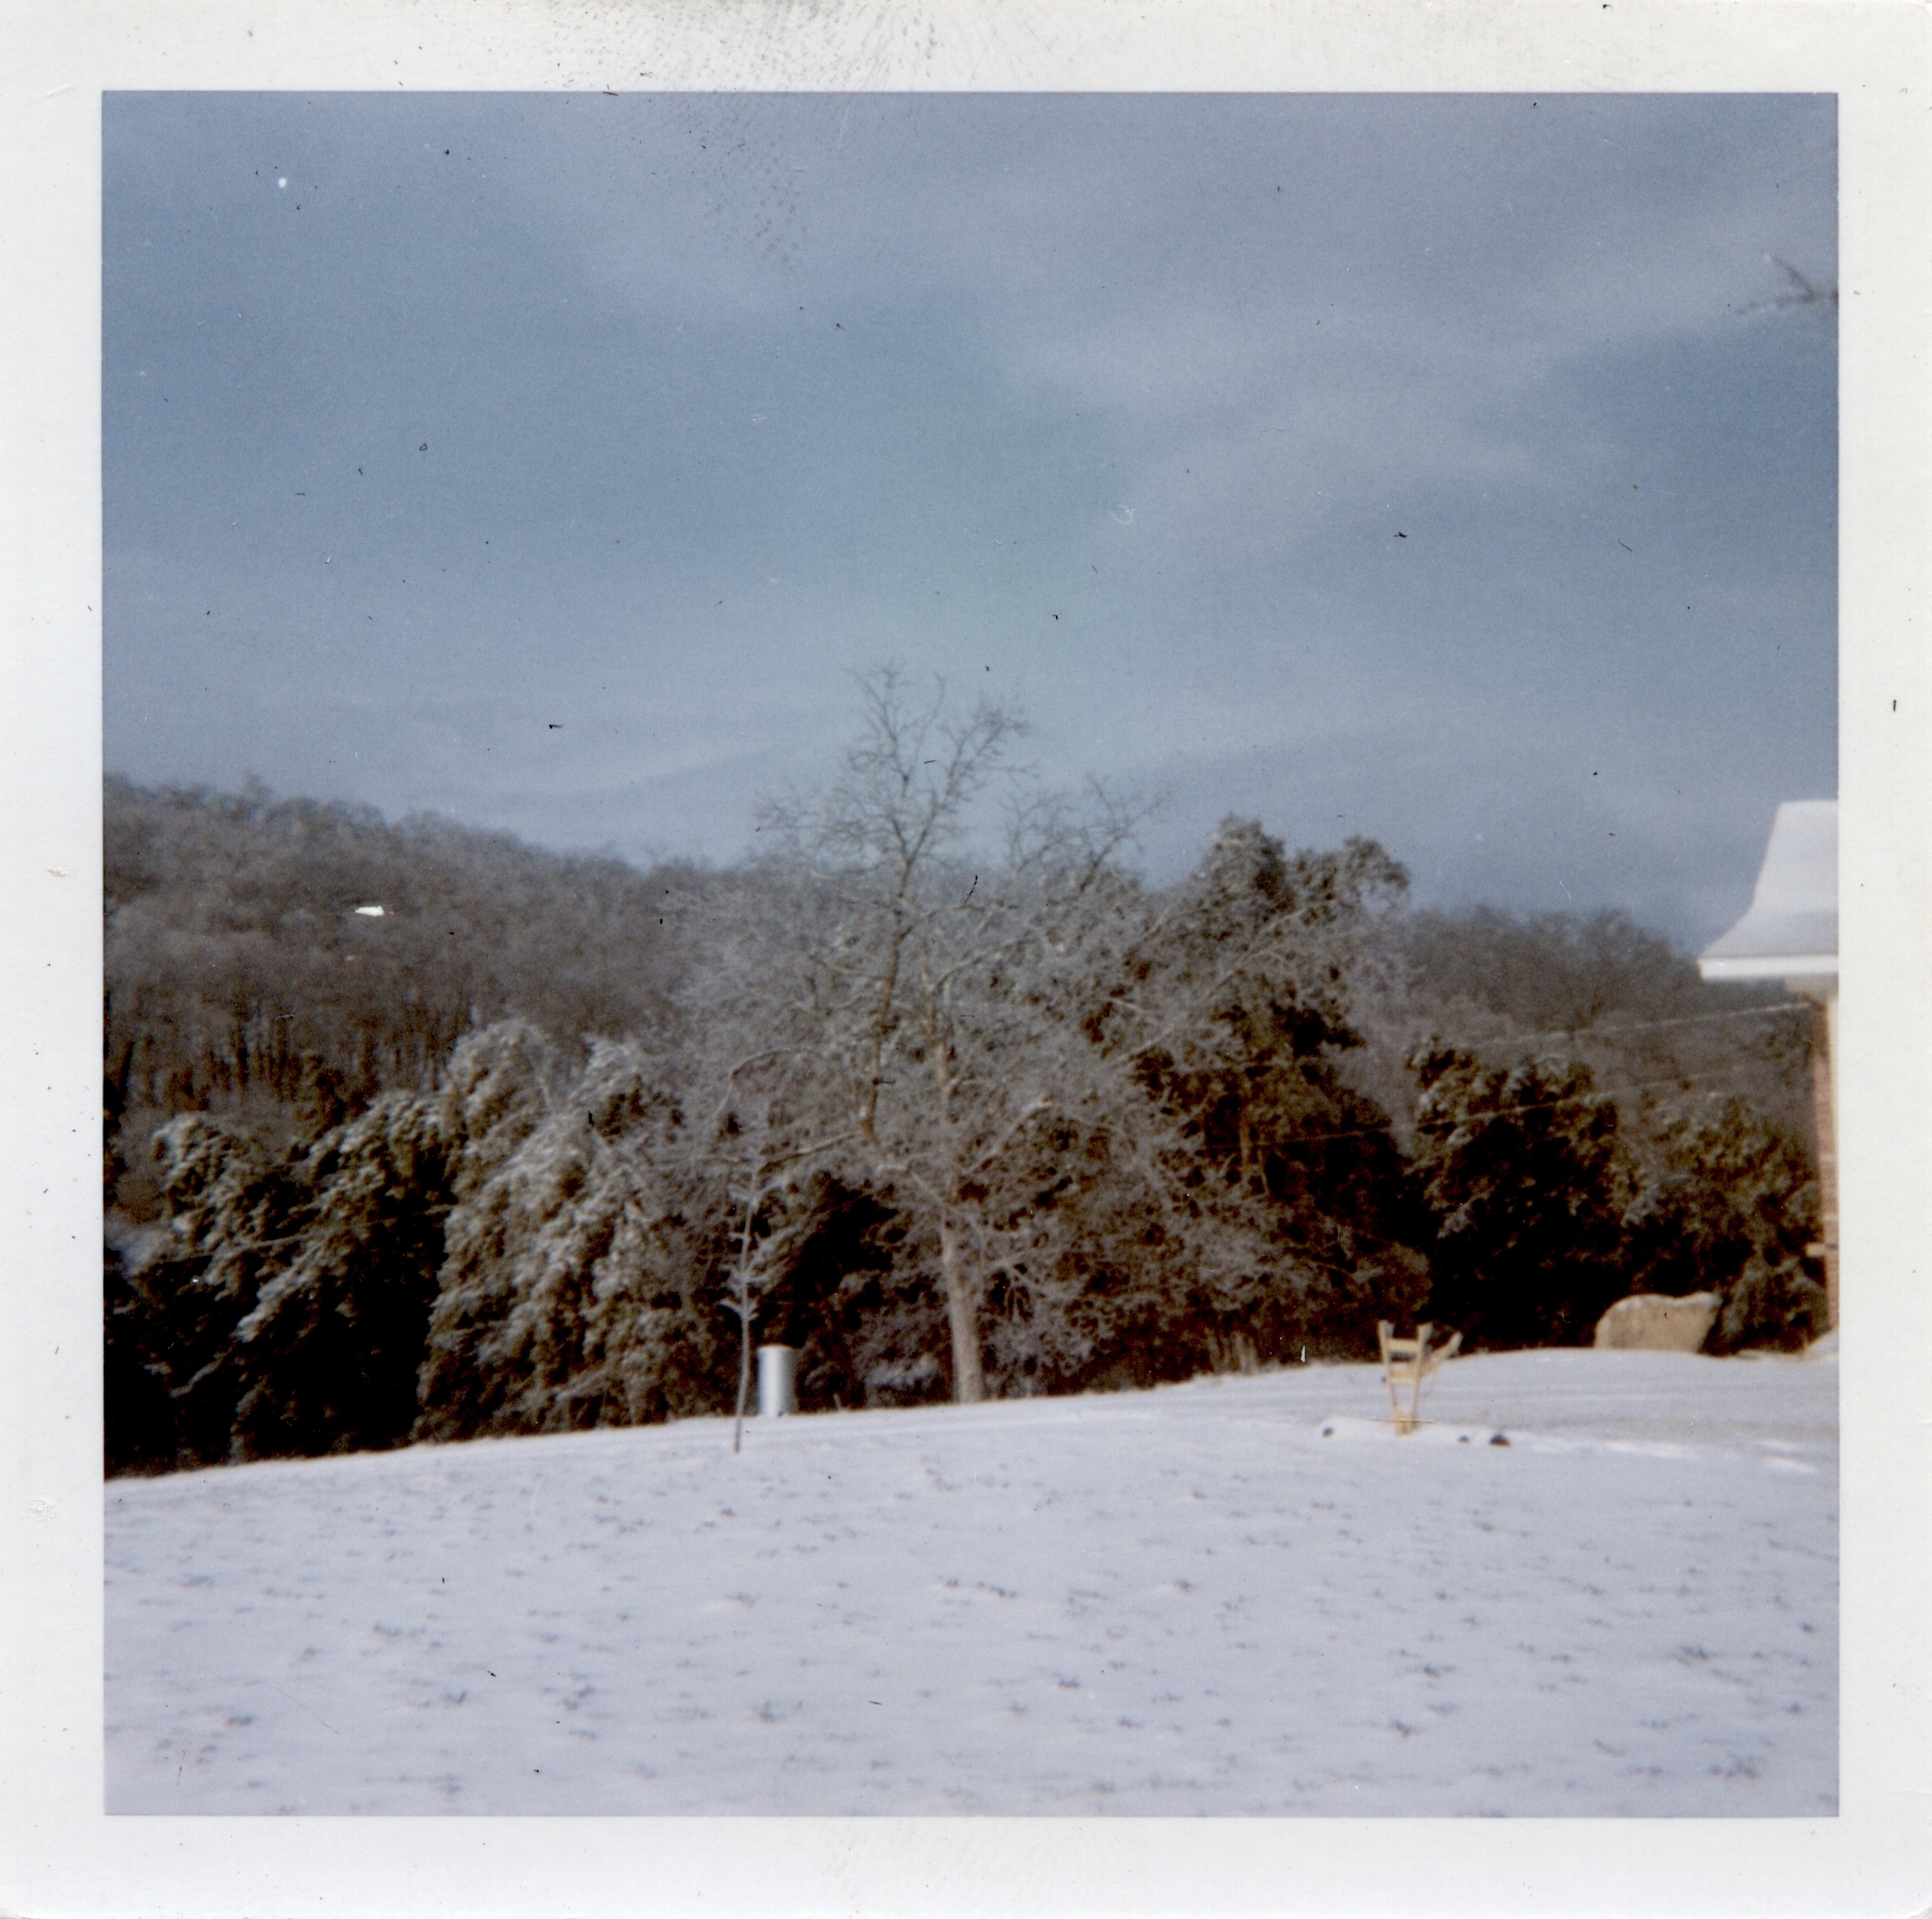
(242, 979)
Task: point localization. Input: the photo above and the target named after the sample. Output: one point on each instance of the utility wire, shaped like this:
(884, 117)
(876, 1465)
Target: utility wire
(1571, 1098)
(1647, 1025)
(1677, 1080)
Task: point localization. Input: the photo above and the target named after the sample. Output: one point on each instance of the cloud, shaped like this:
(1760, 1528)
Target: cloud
(1271, 432)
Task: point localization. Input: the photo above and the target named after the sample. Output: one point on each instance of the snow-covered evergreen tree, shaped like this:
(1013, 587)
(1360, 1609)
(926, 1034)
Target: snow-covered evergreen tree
(331, 1347)
(574, 1288)
(1521, 1168)
(230, 1218)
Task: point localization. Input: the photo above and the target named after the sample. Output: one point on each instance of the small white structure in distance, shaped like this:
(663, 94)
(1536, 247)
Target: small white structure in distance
(372, 912)
(1791, 934)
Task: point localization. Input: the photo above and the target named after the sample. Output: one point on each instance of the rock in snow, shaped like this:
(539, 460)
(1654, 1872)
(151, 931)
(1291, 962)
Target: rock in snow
(1659, 1322)
(1186, 1601)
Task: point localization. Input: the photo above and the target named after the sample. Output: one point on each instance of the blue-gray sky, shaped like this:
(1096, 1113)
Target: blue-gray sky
(1439, 468)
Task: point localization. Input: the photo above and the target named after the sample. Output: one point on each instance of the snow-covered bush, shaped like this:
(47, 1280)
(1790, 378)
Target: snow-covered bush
(1728, 1205)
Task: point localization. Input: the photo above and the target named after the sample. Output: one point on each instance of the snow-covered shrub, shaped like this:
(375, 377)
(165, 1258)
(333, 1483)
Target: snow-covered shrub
(1781, 1306)
(1728, 1205)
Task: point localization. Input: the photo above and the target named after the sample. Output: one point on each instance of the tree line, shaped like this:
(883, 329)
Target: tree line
(936, 1089)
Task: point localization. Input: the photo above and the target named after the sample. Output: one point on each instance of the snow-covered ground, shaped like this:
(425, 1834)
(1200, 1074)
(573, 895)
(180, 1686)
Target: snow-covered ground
(1237, 1596)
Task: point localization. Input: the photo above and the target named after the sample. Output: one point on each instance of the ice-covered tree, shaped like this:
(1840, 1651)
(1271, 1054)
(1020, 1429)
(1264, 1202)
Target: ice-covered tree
(1234, 1001)
(231, 1219)
(1519, 1166)
(1728, 1203)
(331, 1347)
(576, 1287)
(141, 1430)
(916, 966)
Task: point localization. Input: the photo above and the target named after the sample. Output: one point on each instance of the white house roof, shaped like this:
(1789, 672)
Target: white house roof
(1791, 929)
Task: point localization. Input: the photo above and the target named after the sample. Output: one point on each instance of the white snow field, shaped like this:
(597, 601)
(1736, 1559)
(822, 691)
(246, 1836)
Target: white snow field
(1242, 1595)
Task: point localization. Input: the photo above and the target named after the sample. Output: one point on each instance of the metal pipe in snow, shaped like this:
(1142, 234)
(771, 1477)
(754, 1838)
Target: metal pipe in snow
(778, 1378)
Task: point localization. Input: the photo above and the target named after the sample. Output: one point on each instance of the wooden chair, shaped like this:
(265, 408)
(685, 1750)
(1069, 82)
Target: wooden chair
(1408, 1363)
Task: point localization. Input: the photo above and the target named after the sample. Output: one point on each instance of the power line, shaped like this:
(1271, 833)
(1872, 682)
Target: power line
(1677, 1080)
(1647, 1025)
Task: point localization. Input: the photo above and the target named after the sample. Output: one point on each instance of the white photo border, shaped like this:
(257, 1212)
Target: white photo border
(61, 1855)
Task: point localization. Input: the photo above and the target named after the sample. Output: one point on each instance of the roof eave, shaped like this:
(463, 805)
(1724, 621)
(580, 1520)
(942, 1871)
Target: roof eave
(1768, 966)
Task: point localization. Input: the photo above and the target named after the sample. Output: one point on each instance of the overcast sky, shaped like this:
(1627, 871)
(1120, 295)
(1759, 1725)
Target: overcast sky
(1444, 469)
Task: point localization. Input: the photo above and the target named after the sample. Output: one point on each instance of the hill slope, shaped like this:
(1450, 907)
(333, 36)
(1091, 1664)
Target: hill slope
(1238, 1596)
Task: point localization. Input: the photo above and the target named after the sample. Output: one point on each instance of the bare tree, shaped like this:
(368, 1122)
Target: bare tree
(919, 969)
